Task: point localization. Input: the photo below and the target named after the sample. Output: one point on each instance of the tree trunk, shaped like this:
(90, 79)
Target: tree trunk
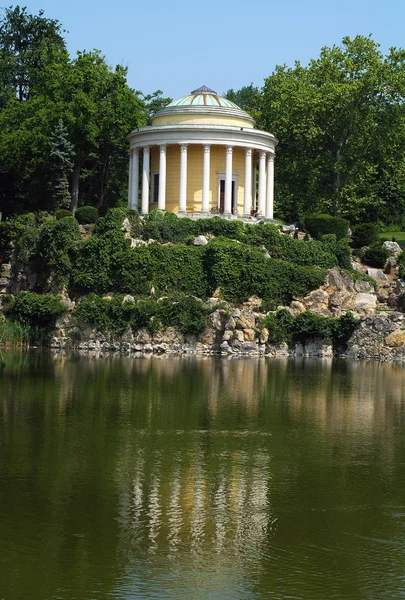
(74, 194)
(104, 181)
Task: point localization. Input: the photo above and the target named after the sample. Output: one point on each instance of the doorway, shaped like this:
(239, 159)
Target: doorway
(234, 202)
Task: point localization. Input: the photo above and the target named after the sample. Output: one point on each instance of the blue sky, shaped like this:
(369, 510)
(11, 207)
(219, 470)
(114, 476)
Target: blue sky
(179, 45)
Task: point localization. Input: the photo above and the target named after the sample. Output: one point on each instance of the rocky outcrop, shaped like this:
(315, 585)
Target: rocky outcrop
(339, 295)
(382, 337)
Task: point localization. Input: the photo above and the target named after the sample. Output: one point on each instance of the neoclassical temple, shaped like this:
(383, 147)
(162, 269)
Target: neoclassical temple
(202, 156)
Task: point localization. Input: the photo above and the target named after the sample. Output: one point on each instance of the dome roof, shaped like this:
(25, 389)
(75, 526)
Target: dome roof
(203, 96)
(202, 106)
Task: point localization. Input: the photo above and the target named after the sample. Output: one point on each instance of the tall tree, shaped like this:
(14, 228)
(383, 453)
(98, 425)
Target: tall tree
(327, 117)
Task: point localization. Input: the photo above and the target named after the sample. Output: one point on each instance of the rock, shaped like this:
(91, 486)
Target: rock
(137, 242)
(225, 348)
(126, 228)
(249, 347)
(316, 301)
(393, 248)
(400, 286)
(238, 335)
(265, 252)
(128, 298)
(395, 339)
(365, 304)
(297, 307)
(289, 228)
(249, 334)
(264, 336)
(227, 335)
(217, 319)
(142, 336)
(208, 337)
(200, 240)
(246, 320)
(230, 324)
(377, 274)
(253, 303)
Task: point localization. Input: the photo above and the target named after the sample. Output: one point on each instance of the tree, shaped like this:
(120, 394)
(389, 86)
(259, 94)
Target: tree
(328, 117)
(27, 44)
(248, 98)
(61, 163)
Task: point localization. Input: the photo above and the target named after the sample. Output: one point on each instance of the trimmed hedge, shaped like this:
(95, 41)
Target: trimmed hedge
(62, 213)
(85, 215)
(318, 225)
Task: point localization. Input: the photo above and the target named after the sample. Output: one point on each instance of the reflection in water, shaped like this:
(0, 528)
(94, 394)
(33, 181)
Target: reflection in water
(200, 478)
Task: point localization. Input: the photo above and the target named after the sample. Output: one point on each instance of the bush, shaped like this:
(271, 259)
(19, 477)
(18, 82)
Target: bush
(11, 229)
(114, 316)
(55, 240)
(37, 309)
(114, 219)
(86, 215)
(365, 234)
(376, 256)
(26, 245)
(62, 213)
(318, 225)
(308, 325)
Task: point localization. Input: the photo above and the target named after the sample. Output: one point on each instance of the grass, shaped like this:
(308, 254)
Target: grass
(14, 333)
(398, 235)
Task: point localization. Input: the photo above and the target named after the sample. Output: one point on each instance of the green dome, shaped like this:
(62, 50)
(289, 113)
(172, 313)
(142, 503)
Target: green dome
(203, 96)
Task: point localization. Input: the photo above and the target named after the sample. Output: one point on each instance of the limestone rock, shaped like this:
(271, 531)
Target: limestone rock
(377, 274)
(395, 339)
(126, 228)
(253, 303)
(128, 298)
(365, 304)
(200, 240)
(246, 320)
(218, 319)
(142, 336)
(264, 336)
(249, 334)
(297, 307)
(393, 248)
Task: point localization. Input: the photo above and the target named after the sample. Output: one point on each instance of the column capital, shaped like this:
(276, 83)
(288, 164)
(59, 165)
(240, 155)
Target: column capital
(183, 147)
(207, 147)
(163, 147)
(270, 157)
(248, 151)
(263, 154)
(229, 149)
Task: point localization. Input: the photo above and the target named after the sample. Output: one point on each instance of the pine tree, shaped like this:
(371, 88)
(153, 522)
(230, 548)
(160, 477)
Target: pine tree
(61, 160)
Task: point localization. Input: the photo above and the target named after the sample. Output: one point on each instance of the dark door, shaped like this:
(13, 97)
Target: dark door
(221, 195)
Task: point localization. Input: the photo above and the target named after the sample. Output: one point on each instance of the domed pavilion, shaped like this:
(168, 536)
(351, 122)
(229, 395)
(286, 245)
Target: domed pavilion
(202, 156)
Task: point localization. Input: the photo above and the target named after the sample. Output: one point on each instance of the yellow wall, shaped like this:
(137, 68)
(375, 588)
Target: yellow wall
(195, 157)
(202, 120)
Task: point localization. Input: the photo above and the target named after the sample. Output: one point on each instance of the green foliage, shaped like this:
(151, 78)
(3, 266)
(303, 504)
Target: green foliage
(114, 219)
(308, 325)
(401, 265)
(11, 229)
(167, 227)
(55, 240)
(62, 213)
(364, 234)
(114, 315)
(376, 256)
(319, 225)
(86, 215)
(26, 245)
(14, 333)
(37, 309)
(242, 271)
(359, 276)
(280, 325)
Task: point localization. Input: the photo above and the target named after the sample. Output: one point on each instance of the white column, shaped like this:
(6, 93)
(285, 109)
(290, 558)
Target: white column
(134, 180)
(145, 180)
(262, 185)
(205, 207)
(248, 183)
(270, 186)
(162, 178)
(228, 181)
(254, 185)
(183, 178)
(131, 158)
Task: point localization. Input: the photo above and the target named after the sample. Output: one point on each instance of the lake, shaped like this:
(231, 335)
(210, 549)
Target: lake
(200, 478)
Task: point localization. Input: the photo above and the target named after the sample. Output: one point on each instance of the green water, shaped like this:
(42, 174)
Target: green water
(200, 478)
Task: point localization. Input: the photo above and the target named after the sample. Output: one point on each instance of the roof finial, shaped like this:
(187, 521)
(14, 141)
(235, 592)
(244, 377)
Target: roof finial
(203, 90)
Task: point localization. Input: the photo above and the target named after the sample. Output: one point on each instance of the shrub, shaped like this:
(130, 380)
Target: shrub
(55, 240)
(364, 234)
(165, 226)
(107, 314)
(86, 215)
(37, 309)
(114, 219)
(376, 256)
(11, 229)
(284, 328)
(318, 225)
(62, 213)
(26, 245)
